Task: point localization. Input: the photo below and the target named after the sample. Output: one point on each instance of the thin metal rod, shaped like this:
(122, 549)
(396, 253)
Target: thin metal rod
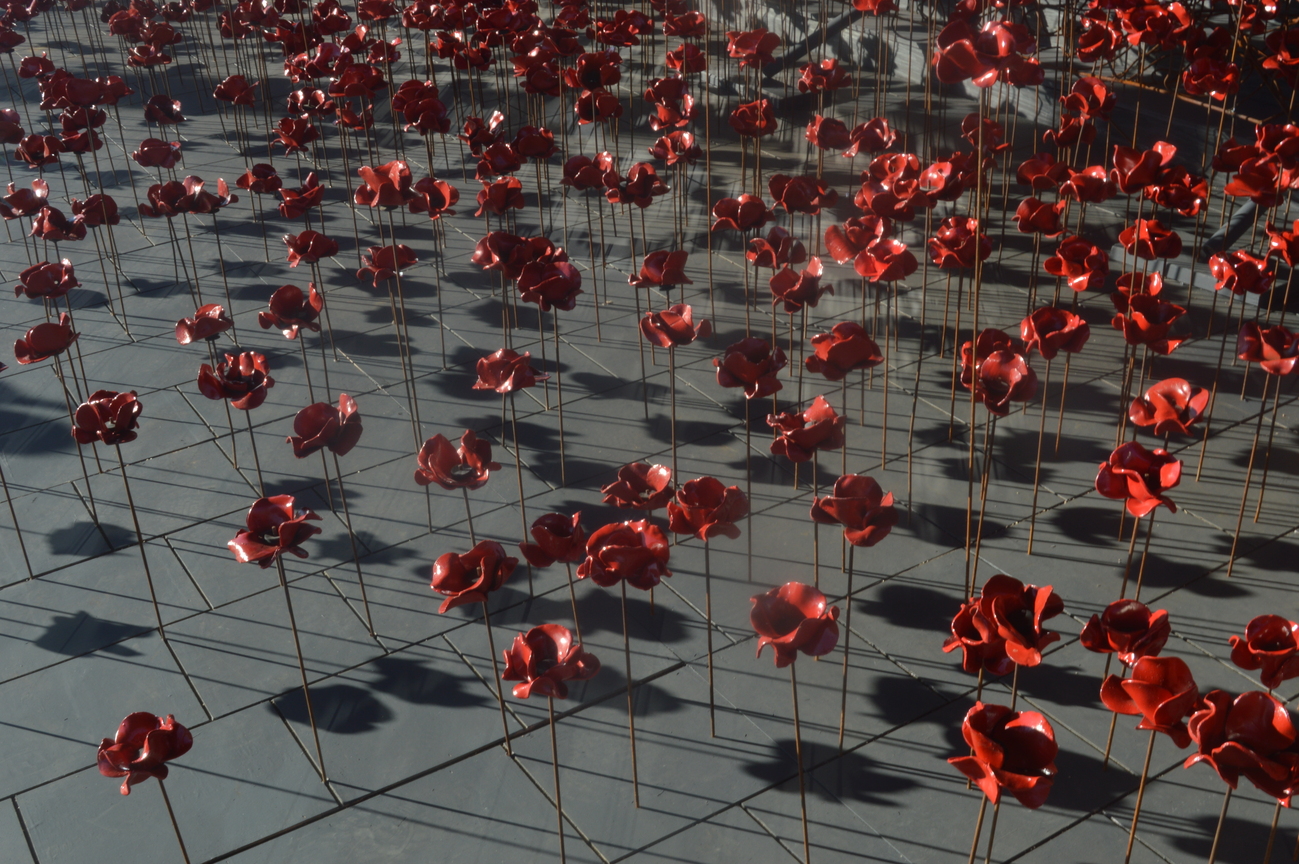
(1222, 818)
(139, 536)
(1141, 794)
(14, 515)
(798, 755)
(708, 620)
(351, 536)
(496, 676)
(554, 764)
(978, 828)
(469, 517)
(847, 634)
(302, 669)
(631, 713)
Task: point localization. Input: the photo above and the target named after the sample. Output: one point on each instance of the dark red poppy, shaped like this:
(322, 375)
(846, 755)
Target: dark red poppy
(290, 310)
(799, 433)
(236, 90)
(297, 202)
(857, 503)
(885, 260)
(981, 646)
(108, 417)
(1215, 78)
(435, 198)
(1033, 216)
(634, 552)
(274, 527)
(706, 508)
(828, 133)
(163, 110)
(687, 59)
(309, 246)
(583, 172)
(156, 153)
(544, 659)
(165, 199)
(1050, 330)
(1270, 643)
(1134, 169)
(199, 202)
(260, 178)
(1091, 185)
(385, 262)
(873, 136)
(1161, 690)
(640, 486)
(1281, 243)
(823, 77)
(777, 249)
(95, 211)
(1241, 273)
(50, 224)
(39, 150)
(552, 283)
(510, 253)
(957, 242)
(752, 47)
(792, 618)
(387, 185)
(322, 425)
(674, 326)
(752, 364)
(677, 147)
(468, 466)
(242, 379)
(1080, 263)
(1129, 629)
(1041, 172)
(800, 289)
(142, 747)
(663, 268)
(470, 577)
(25, 202)
(801, 194)
(674, 107)
(1171, 405)
(559, 538)
(995, 52)
(1146, 320)
(753, 119)
(1139, 477)
(1011, 750)
(846, 242)
(507, 371)
(1274, 348)
(208, 322)
(1017, 611)
(985, 133)
(597, 106)
(1000, 374)
(46, 280)
(45, 341)
(641, 187)
(845, 348)
(499, 196)
(741, 214)
(1250, 736)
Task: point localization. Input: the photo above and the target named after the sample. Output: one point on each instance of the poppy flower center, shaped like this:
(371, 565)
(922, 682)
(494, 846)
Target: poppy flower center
(1022, 620)
(463, 472)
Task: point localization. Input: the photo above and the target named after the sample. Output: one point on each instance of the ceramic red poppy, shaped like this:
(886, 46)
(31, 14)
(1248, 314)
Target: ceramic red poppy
(753, 119)
(823, 77)
(1050, 330)
(544, 660)
(706, 508)
(1149, 239)
(50, 224)
(1001, 377)
(142, 747)
(500, 196)
(752, 364)
(1251, 735)
(641, 186)
(663, 268)
(1129, 629)
(1270, 644)
(1041, 172)
(1171, 405)
(1134, 169)
(260, 178)
(778, 249)
(846, 348)
(792, 618)
(674, 326)
(1139, 477)
(1092, 185)
(1010, 750)
(828, 133)
(957, 242)
(845, 242)
(982, 648)
(1273, 348)
(25, 201)
(465, 467)
(741, 214)
(108, 417)
(753, 48)
(1034, 216)
(799, 433)
(236, 90)
(1161, 689)
(873, 136)
(242, 379)
(551, 282)
(385, 262)
(636, 552)
(209, 322)
(640, 486)
(1017, 611)
(45, 341)
(507, 371)
(857, 502)
(996, 52)
(799, 289)
(679, 147)
(1080, 263)
(46, 280)
(801, 194)
(298, 201)
(885, 260)
(309, 246)
(1145, 319)
(321, 425)
(559, 538)
(290, 310)
(470, 577)
(1241, 273)
(274, 527)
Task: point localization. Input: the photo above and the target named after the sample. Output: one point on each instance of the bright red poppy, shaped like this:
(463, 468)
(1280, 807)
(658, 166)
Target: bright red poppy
(465, 467)
(544, 660)
(1171, 405)
(142, 747)
(1129, 629)
(559, 538)
(799, 433)
(706, 507)
(507, 371)
(792, 618)
(274, 527)
(635, 552)
(752, 364)
(1010, 750)
(1139, 477)
(1270, 643)
(857, 502)
(470, 577)
(640, 486)
(321, 425)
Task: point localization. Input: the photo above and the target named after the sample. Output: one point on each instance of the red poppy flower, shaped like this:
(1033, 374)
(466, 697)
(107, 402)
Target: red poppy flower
(634, 552)
(1281, 243)
(706, 508)
(559, 538)
(822, 77)
(243, 380)
(873, 136)
(290, 309)
(792, 618)
(752, 364)
(596, 106)
(322, 425)
(95, 211)
(1134, 169)
(25, 202)
(45, 341)
(500, 196)
(827, 133)
(1216, 78)
(1090, 97)
(465, 467)
(999, 374)
(752, 47)
(507, 371)
(544, 659)
(274, 527)
(583, 172)
(674, 326)
(309, 246)
(996, 52)
(1179, 190)
(421, 108)
(981, 646)
(165, 199)
(470, 577)
(1161, 690)
(1080, 263)
(686, 59)
(163, 110)
(260, 178)
(801, 194)
(435, 197)
(108, 417)
(1250, 736)
(1140, 477)
(1129, 629)
(857, 503)
(297, 202)
(676, 147)
(674, 106)
(385, 262)
(640, 487)
(845, 348)
(1049, 330)
(1074, 132)
(641, 187)
(663, 268)
(1034, 216)
(386, 185)
(1091, 185)
(551, 283)
(1146, 320)
(799, 433)
(1011, 750)
(50, 224)
(142, 747)
(799, 289)
(885, 261)
(1017, 611)
(1241, 273)
(957, 242)
(236, 90)
(208, 322)
(1041, 172)
(845, 242)
(777, 249)
(1275, 348)
(156, 153)
(1171, 405)
(741, 214)
(46, 280)
(199, 202)
(39, 150)
(753, 119)
(1270, 643)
